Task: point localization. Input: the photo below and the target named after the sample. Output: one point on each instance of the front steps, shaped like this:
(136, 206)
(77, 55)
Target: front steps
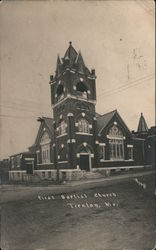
(93, 175)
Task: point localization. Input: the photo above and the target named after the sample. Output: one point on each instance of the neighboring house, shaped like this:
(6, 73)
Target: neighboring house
(78, 139)
(21, 165)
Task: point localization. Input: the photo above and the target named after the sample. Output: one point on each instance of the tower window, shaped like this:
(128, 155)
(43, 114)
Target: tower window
(59, 90)
(83, 126)
(62, 128)
(81, 87)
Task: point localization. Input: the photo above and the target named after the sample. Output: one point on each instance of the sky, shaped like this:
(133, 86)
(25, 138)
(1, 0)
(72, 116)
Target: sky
(117, 38)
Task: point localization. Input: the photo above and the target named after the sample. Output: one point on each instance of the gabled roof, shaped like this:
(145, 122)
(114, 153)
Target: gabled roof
(45, 121)
(142, 126)
(103, 120)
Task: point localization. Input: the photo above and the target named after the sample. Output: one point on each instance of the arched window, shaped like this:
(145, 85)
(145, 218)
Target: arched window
(82, 89)
(62, 128)
(116, 143)
(62, 154)
(83, 126)
(45, 147)
(60, 91)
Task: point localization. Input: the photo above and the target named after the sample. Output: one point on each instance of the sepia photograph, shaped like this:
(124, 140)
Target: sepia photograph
(77, 125)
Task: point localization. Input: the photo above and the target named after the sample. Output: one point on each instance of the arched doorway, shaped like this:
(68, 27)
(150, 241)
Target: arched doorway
(85, 159)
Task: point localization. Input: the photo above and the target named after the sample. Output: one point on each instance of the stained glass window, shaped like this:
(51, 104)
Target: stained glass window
(83, 126)
(116, 143)
(62, 128)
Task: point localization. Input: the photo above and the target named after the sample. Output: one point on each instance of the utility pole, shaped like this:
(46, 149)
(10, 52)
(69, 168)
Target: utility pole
(55, 154)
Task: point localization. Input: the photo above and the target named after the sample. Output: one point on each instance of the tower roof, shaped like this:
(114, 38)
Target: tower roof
(58, 66)
(142, 126)
(70, 54)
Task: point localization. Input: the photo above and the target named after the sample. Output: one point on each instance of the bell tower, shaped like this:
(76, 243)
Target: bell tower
(73, 99)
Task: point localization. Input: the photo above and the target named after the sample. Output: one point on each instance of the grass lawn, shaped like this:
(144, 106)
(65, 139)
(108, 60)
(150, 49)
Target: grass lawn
(120, 216)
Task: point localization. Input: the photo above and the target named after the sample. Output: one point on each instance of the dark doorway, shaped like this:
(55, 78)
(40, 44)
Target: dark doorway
(84, 162)
(29, 169)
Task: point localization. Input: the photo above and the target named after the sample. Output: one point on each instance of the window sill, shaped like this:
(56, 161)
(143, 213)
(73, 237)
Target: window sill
(62, 162)
(82, 133)
(61, 135)
(46, 163)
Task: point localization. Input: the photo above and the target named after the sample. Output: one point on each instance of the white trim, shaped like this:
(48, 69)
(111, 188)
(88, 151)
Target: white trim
(102, 144)
(117, 160)
(139, 139)
(72, 71)
(82, 133)
(61, 135)
(129, 146)
(111, 168)
(29, 159)
(92, 78)
(41, 164)
(44, 170)
(96, 142)
(72, 97)
(52, 82)
(37, 151)
(70, 114)
(17, 171)
(84, 154)
(118, 138)
(44, 143)
(69, 170)
(62, 161)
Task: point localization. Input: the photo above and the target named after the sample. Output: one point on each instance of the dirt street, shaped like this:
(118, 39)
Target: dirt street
(119, 216)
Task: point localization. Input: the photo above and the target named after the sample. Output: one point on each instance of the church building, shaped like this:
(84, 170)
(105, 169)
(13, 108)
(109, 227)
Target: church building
(77, 140)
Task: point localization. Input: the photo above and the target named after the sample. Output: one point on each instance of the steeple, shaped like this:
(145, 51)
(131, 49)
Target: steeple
(58, 66)
(70, 54)
(142, 126)
(80, 63)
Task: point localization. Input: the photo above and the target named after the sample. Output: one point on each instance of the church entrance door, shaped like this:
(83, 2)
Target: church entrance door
(84, 162)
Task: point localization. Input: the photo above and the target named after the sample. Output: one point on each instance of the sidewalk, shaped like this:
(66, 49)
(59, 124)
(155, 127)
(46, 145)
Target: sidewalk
(18, 192)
